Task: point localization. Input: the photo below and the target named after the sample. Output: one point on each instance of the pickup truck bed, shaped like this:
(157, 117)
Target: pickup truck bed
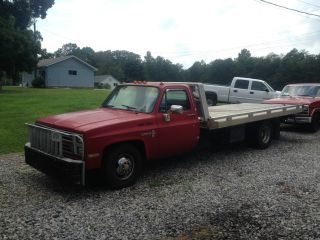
(235, 114)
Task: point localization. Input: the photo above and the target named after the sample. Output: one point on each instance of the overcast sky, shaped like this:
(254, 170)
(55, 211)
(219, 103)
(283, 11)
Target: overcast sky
(183, 31)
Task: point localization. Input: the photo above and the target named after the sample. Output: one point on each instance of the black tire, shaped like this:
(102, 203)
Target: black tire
(261, 134)
(315, 122)
(276, 129)
(212, 98)
(122, 166)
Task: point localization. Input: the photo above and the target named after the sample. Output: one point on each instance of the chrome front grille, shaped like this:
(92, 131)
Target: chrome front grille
(56, 143)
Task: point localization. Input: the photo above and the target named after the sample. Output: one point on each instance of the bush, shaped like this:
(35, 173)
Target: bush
(101, 86)
(38, 82)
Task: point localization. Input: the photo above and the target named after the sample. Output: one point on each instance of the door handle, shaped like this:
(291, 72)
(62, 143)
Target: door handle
(235, 90)
(191, 114)
(251, 92)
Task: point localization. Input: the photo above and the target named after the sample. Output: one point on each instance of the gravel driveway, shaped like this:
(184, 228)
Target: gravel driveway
(229, 192)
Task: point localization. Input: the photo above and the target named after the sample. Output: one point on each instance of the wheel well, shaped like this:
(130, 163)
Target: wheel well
(317, 111)
(209, 93)
(213, 96)
(138, 144)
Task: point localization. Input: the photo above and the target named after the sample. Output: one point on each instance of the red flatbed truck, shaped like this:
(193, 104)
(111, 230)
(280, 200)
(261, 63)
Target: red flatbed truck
(143, 121)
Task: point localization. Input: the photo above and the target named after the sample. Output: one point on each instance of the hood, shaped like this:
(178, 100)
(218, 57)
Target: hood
(292, 100)
(91, 119)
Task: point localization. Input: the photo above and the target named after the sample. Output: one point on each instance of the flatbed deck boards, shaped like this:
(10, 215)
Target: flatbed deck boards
(235, 114)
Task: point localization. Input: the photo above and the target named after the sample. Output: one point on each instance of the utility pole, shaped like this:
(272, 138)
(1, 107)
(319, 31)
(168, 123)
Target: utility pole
(35, 43)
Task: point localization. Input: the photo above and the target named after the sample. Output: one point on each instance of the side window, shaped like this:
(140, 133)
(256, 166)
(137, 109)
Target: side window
(174, 97)
(243, 84)
(72, 72)
(258, 86)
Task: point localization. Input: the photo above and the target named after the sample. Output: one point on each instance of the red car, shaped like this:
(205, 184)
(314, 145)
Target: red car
(306, 94)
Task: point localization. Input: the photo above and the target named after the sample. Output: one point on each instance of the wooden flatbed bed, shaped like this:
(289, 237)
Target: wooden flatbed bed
(228, 115)
(234, 114)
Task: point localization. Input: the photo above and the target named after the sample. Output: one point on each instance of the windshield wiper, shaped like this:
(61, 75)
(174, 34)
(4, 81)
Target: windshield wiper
(108, 106)
(129, 107)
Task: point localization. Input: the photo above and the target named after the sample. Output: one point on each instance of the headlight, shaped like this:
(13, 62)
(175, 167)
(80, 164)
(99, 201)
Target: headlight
(78, 146)
(305, 109)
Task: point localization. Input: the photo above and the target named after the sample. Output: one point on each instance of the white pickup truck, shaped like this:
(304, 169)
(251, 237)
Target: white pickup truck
(241, 90)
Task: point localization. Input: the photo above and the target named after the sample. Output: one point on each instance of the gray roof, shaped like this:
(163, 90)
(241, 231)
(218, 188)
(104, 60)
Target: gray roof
(52, 61)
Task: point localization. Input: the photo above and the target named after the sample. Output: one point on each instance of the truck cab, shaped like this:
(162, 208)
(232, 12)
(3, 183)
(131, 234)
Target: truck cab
(241, 90)
(250, 90)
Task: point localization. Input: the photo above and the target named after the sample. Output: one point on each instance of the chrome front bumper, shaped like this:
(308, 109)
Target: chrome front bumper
(51, 165)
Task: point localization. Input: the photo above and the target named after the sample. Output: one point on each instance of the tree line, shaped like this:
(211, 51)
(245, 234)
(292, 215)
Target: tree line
(278, 70)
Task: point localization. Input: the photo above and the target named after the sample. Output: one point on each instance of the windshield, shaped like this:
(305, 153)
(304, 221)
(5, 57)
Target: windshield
(133, 98)
(308, 91)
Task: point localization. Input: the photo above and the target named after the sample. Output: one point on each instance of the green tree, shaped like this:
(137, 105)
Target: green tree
(244, 63)
(221, 71)
(197, 72)
(130, 63)
(67, 49)
(19, 46)
(160, 69)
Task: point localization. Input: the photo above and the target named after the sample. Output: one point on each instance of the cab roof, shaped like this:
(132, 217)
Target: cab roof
(157, 84)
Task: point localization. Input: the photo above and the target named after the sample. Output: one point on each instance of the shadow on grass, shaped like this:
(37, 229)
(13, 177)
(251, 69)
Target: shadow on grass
(8, 91)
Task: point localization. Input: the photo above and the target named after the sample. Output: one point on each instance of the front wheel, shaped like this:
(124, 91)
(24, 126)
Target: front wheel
(315, 122)
(122, 166)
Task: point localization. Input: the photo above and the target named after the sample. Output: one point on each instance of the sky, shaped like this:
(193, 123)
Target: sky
(183, 31)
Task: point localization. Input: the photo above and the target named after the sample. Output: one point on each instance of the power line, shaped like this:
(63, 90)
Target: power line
(291, 9)
(252, 45)
(311, 4)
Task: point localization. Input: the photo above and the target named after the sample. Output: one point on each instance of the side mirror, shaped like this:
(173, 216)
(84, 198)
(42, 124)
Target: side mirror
(176, 109)
(266, 90)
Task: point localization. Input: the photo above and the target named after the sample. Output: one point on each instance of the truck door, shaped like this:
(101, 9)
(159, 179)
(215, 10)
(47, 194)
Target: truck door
(239, 92)
(181, 131)
(259, 92)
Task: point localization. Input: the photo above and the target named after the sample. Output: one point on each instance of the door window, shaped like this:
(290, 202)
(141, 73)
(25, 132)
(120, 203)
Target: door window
(258, 86)
(174, 97)
(243, 84)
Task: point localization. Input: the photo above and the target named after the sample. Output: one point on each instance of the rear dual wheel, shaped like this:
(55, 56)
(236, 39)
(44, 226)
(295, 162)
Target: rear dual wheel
(261, 134)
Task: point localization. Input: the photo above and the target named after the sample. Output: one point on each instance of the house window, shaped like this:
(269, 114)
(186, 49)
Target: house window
(115, 84)
(72, 72)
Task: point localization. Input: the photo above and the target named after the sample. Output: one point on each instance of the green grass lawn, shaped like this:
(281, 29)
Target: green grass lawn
(24, 105)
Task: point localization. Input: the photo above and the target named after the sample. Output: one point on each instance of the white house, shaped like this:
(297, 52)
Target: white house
(105, 80)
(65, 71)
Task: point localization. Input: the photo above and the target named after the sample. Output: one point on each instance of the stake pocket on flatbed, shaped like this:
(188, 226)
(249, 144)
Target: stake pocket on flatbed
(143, 121)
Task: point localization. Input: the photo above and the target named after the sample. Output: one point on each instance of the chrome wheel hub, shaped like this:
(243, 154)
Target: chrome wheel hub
(265, 134)
(124, 168)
